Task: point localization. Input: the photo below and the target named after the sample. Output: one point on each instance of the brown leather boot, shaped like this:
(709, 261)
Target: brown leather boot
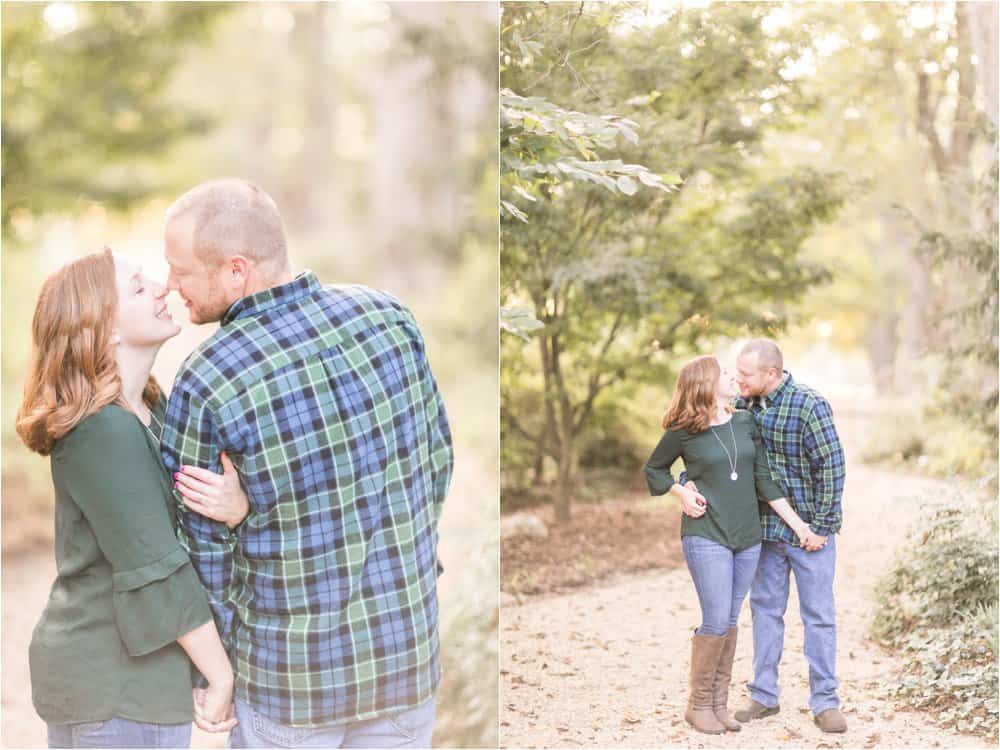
(723, 678)
(754, 711)
(831, 720)
(705, 650)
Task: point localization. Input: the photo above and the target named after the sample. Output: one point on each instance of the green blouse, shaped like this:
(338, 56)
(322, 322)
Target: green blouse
(732, 518)
(125, 589)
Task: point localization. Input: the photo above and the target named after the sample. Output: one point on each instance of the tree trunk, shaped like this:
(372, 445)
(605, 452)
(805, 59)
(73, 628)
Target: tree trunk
(567, 477)
(983, 34)
(307, 192)
(882, 343)
(538, 470)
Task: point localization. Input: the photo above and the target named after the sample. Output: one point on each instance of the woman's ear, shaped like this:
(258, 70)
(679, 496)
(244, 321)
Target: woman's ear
(116, 338)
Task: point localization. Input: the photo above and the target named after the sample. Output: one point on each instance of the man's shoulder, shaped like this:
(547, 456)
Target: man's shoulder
(806, 397)
(196, 371)
(350, 301)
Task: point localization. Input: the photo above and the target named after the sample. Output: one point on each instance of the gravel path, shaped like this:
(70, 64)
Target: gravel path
(608, 666)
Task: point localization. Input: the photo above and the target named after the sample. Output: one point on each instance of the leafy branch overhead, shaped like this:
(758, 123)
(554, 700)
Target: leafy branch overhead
(543, 145)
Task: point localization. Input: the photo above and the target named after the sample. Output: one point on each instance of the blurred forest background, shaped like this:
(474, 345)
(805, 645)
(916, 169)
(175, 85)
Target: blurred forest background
(373, 126)
(677, 176)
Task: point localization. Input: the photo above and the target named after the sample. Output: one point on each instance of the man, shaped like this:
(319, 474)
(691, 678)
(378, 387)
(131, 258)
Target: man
(325, 594)
(806, 459)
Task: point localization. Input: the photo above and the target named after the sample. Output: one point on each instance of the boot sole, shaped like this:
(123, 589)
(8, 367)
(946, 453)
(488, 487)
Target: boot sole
(762, 715)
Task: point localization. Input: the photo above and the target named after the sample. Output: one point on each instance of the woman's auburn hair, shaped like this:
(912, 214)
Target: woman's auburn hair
(73, 372)
(694, 400)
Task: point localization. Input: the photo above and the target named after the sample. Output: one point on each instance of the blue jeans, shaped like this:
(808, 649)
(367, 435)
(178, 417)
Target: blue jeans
(768, 601)
(411, 727)
(118, 732)
(721, 578)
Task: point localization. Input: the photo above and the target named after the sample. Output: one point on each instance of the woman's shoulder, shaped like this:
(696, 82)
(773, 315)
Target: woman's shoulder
(107, 426)
(674, 431)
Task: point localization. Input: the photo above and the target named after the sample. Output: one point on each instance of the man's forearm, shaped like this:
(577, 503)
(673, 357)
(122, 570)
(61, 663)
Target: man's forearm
(211, 552)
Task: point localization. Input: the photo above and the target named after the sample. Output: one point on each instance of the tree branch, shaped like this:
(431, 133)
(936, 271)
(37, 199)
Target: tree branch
(926, 114)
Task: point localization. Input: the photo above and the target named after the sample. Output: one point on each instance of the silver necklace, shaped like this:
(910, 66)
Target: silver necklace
(732, 461)
(148, 427)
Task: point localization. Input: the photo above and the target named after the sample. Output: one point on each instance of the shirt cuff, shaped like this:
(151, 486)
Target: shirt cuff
(659, 482)
(156, 604)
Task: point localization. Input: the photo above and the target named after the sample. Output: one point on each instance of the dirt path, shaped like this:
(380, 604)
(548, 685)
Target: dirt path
(608, 666)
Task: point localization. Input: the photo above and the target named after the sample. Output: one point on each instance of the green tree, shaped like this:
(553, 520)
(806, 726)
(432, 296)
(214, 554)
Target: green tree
(85, 116)
(625, 285)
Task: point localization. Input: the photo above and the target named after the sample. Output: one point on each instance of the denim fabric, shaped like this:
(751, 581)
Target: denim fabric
(721, 578)
(768, 601)
(409, 728)
(117, 732)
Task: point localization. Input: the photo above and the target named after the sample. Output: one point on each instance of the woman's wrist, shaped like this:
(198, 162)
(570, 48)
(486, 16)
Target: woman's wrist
(225, 679)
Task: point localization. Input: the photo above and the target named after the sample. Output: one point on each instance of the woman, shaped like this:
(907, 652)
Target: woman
(110, 656)
(720, 531)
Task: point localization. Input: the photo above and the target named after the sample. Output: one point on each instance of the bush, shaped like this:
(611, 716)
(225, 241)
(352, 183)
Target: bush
(939, 444)
(938, 607)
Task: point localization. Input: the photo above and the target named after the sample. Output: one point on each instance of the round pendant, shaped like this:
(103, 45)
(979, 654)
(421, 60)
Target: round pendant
(734, 476)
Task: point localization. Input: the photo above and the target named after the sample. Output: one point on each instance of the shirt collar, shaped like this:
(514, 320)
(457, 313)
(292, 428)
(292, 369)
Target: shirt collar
(301, 286)
(778, 393)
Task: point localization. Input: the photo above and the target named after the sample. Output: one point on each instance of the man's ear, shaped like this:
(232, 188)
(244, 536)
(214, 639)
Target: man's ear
(239, 269)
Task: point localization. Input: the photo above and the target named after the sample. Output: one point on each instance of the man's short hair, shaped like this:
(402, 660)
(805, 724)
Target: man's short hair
(768, 353)
(233, 217)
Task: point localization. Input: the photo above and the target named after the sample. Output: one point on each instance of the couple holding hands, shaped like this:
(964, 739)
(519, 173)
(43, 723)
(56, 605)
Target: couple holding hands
(761, 496)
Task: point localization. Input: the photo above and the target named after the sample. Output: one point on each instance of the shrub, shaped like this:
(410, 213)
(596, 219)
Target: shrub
(938, 607)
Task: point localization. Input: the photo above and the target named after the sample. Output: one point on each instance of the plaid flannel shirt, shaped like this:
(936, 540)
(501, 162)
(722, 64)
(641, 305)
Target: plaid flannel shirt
(805, 456)
(325, 596)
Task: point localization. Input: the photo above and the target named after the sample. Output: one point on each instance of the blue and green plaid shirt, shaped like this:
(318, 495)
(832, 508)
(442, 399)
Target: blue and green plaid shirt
(325, 596)
(805, 456)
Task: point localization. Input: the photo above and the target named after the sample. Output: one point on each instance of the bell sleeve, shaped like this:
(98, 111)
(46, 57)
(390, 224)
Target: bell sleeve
(115, 479)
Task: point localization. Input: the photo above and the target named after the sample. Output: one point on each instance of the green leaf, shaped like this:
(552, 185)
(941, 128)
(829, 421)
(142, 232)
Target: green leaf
(524, 193)
(627, 185)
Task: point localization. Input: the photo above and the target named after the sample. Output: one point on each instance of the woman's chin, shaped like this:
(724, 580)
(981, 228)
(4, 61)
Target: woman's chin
(172, 329)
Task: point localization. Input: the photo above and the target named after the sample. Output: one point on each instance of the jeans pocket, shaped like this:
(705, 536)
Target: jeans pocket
(278, 734)
(402, 726)
(412, 721)
(94, 734)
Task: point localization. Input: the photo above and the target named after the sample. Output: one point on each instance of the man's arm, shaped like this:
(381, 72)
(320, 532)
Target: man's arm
(190, 437)
(826, 463)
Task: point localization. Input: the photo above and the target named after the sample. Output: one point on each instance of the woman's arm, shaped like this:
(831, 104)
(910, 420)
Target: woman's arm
(769, 491)
(661, 481)
(205, 649)
(783, 508)
(115, 479)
